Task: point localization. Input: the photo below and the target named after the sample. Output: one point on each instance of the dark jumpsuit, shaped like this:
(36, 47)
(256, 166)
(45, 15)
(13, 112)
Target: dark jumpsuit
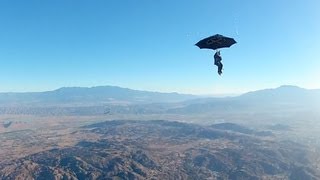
(217, 62)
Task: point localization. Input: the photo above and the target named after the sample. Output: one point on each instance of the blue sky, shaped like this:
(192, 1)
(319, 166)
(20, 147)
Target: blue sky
(149, 44)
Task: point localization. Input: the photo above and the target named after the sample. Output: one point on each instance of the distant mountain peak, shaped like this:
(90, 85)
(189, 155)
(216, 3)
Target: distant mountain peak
(90, 88)
(290, 87)
(281, 89)
(93, 95)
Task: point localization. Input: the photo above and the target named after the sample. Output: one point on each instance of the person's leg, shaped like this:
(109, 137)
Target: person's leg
(216, 62)
(220, 68)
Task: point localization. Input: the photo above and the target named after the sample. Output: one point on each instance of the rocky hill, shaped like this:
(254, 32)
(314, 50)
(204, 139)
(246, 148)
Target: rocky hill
(167, 150)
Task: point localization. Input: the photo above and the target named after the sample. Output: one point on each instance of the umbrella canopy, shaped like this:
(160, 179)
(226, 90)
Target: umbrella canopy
(215, 42)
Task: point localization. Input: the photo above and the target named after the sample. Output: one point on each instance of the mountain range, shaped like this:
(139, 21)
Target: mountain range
(116, 100)
(74, 96)
(281, 98)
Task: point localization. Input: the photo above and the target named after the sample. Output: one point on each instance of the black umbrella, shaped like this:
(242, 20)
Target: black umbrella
(215, 42)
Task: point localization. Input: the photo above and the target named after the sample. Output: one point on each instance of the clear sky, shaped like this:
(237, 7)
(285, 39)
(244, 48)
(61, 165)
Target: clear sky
(149, 44)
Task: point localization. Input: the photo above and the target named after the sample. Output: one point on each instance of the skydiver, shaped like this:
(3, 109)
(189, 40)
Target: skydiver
(217, 61)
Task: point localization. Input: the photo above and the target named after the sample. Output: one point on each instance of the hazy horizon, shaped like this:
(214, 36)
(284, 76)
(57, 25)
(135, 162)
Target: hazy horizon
(204, 94)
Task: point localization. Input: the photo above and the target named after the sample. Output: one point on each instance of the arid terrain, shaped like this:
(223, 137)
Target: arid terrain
(245, 137)
(154, 149)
